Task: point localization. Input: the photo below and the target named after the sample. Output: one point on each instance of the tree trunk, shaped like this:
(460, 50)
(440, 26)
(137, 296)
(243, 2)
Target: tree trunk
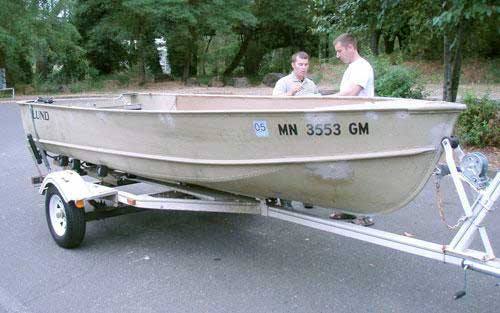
(204, 57)
(237, 58)
(403, 35)
(152, 55)
(2, 58)
(320, 47)
(42, 66)
(323, 46)
(446, 68)
(187, 65)
(388, 45)
(191, 60)
(457, 61)
(253, 58)
(374, 39)
(153, 60)
(453, 42)
(327, 46)
(142, 62)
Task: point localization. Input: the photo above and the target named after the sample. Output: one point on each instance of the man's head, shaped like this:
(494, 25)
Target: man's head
(300, 64)
(346, 47)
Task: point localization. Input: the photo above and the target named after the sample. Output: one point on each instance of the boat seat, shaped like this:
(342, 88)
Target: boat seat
(133, 106)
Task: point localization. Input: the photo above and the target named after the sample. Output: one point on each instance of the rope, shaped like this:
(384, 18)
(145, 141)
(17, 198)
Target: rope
(439, 203)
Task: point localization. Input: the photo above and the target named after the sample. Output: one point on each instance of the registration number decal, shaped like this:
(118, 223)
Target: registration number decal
(325, 129)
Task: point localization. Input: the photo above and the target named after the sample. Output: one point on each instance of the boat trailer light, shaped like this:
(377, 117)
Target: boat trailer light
(79, 204)
(474, 167)
(131, 201)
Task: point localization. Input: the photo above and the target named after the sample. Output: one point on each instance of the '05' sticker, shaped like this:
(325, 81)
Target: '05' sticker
(260, 128)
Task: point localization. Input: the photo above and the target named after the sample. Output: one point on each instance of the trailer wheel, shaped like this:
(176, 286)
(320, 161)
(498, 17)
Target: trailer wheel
(66, 222)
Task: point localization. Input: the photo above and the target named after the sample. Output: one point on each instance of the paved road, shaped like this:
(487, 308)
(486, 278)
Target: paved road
(200, 262)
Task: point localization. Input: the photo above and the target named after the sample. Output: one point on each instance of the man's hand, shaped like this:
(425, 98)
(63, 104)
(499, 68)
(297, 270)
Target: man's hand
(296, 88)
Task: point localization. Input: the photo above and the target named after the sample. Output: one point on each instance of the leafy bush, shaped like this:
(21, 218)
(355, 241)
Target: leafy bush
(122, 77)
(396, 80)
(204, 80)
(479, 124)
(494, 71)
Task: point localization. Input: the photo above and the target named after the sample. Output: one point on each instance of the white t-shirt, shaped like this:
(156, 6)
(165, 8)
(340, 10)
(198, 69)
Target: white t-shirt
(359, 72)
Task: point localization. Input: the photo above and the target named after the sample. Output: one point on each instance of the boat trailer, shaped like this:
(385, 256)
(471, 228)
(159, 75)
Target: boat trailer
(68, 195)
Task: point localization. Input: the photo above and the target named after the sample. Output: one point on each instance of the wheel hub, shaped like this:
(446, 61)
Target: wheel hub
(57, 215)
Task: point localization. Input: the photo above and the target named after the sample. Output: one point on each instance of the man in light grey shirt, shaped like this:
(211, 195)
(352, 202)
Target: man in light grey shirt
(297, 84)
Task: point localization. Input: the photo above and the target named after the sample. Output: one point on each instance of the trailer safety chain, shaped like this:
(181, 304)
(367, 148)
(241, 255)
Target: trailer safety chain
(439, 204)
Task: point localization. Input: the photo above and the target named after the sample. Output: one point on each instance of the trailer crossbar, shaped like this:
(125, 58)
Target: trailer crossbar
(390, 240)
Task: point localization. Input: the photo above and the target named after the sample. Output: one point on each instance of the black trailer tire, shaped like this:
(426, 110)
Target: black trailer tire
(66, 222)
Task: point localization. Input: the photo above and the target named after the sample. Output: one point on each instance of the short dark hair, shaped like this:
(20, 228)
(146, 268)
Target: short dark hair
(300, 54)
(346, 39)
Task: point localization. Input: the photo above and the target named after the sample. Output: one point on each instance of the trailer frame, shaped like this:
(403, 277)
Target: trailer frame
(75, 191)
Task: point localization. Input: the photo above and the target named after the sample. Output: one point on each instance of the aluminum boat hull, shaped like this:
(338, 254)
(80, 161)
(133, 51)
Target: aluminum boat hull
(359, 155)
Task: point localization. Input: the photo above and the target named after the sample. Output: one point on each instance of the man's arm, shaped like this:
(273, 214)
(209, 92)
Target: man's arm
(280, 89)
(353, 90)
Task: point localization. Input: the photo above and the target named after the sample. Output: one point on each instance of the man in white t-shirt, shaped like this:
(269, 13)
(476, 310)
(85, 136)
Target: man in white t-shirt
(357, 81)
(358, 78)
(296, 83)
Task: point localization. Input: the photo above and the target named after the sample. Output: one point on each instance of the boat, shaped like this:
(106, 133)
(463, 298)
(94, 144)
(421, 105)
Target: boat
(358, 155)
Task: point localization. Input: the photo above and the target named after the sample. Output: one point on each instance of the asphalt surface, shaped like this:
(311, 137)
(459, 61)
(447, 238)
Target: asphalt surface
(206, 262)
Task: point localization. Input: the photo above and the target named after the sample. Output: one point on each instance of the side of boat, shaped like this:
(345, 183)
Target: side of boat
(360, 155)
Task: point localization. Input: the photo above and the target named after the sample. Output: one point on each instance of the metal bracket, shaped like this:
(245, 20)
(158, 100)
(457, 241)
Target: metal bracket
(475, 214)
(37, 139)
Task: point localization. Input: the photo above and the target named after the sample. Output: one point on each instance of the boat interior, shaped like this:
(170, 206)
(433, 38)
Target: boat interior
(200, 102)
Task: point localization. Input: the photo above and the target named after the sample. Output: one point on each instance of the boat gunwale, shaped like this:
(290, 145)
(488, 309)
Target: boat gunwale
(388, 104)
(273, 111)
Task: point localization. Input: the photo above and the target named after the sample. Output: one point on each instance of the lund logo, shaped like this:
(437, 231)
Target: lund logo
(40, 115)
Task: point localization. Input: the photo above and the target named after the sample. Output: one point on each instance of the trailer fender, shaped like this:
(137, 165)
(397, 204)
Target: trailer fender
(72, 186)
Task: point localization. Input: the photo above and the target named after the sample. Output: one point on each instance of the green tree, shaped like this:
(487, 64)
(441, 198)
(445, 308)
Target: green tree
(39, 33)
(455, 19)
(280, 23)
(323, 15)
(15, 39)
(56, 44)
(136, 19)
(186, 24)
(103, 42)
(425, 28)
